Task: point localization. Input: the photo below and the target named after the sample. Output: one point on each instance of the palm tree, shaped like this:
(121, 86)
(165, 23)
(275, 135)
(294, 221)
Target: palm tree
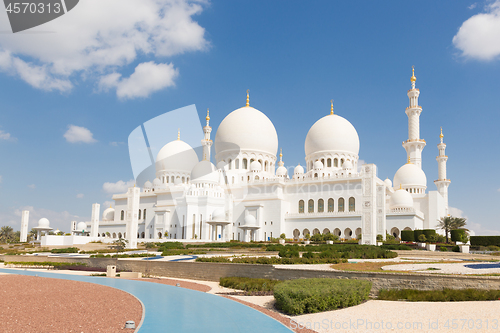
(459, 223)
(446, 224)
(5, 234)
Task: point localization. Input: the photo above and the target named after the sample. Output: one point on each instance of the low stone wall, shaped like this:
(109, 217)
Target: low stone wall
(214, 271)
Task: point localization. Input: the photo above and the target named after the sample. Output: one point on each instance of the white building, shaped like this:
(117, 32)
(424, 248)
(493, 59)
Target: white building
(246, 197)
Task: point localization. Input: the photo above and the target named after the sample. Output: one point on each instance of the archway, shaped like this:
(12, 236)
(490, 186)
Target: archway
(296, 233)
(305, 232)
(315, 231)
(337, 232)
(348, 233)
(395, 232)
(326, 231)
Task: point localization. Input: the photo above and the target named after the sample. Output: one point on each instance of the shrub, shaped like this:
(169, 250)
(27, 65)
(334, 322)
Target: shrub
(289, 252)
(308, 255)
(458, 235)
(432, 239)
(456, 248)
(440, 238)
(422, 238)
(484, 240)
(426, 232)
(445, 295)
(330, 236)
(316, 238)
(395, 247)
(407, 236)
(283, 236)
(65, 250)
(380, 238)
(493, 248)
(169, 245)
(389, 237)
(315, 295)
(248, 284)
(443, 249)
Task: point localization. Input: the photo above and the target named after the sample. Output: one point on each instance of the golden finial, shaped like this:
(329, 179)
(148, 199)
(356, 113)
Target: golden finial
(409, 161)
(110, 206)
(441, 135)
(413, 78)
(281, 153)
(248, 97)
(331, 111)
(179, 134)
(400, 187)
(208, 115)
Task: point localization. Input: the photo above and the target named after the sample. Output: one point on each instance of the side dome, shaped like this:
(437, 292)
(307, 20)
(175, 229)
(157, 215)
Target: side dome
(43, 223)
(281, 171)
(246, 129)
(332, 133)
(255, 166)
(409, 175)
(204, 172)
(388, 183)
(250, 220)
(108, 214)
(176, 156)
(299, 170)
(401, 199)
(318, 165)
(81, 226)
(156, 182)
(148, 185)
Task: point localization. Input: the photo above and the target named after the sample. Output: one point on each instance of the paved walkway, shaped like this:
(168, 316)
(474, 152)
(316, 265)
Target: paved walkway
(174, 309)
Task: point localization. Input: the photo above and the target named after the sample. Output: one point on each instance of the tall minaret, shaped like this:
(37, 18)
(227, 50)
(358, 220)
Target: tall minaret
(207, 142)
(442, 183)
(414, 145)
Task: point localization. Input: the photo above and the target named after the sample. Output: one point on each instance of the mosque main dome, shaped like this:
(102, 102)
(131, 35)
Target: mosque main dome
(332, 134)
(246, 129)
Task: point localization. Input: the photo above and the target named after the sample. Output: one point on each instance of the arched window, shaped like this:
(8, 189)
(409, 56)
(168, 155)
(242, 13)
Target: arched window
(251, 160)
(341, 204)
(265, 166)
(172, 179)
(310, 206)
(321, 206)
(183, 179)
(144, 215)
(237, 164)
(229, 164)
(315, 175)
(139, 214)
(341, 162)
(301, 206)
(336, 162)
(256, 177)
(330, 205)
(122, 215)
(352, 204)
(245, 163)
(329, 163)
(119, 235)
(142, 234)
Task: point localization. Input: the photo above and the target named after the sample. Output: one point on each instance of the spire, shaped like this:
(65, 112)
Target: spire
(280, 163)
(409, 160)
(413, 78)
(179, 134)
(331, 111)
(208, 117)
(441, 136)
(248, 97)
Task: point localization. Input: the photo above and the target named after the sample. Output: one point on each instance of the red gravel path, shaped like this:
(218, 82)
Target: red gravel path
(44, 305)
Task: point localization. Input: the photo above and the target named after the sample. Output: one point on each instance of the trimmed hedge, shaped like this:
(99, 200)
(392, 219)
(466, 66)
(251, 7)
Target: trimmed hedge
(458, 235)
(484, 240)
(445, 295)
(300, 296)
(407, 235)
(426, 232)
(273, 260)
(248, 284)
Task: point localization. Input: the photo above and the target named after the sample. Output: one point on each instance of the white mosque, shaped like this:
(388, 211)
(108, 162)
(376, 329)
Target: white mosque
(246, 197)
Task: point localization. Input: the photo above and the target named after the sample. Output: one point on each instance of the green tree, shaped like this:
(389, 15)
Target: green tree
(120, 244)
(449, 223)
(6, 233)
(32, 235)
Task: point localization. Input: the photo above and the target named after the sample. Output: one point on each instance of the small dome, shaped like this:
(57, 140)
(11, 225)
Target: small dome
(156, 182)
(148, 185)
(401, 199)
(347, 165)
(410, 175)
(109, 214)
(43, 223)
(255, 166)
(176, 156)
(204, 172)
(281, 171)
(218, 215)
(332, 133)
(250, 220)
(299, 170)
(246, 129)
(318, 165)
(388, 183)
(221, 165)
(82, 226)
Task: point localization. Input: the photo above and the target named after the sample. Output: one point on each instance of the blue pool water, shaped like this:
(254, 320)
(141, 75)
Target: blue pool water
(483, 266)
(174, 309)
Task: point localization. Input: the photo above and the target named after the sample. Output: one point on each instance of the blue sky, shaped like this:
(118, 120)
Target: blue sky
(72, 90)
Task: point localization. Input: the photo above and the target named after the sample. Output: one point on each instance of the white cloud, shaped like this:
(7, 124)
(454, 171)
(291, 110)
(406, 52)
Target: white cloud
(118, 187)
(147, 78)
(455, 212)
(118, 32)
(32, 186)
(474, 5)
(76, 134)
(6, 136)
(58, 220)
(479, 36)
(80, 195)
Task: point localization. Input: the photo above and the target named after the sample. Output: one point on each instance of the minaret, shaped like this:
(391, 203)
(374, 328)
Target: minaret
(442, 183)
(206, 142)
(414, 145)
